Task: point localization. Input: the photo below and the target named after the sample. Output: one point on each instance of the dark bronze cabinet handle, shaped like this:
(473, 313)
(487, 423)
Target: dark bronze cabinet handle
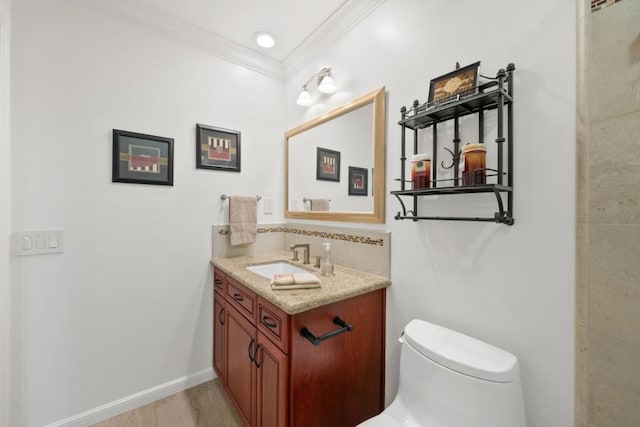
(251, 351)
(269, 322)
(221, 316)
(217, 281)
(345, 327)
(255, 356)
(238, 297)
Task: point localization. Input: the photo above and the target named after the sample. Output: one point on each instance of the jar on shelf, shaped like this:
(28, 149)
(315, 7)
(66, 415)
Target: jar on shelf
(473, 164)
(421, 171)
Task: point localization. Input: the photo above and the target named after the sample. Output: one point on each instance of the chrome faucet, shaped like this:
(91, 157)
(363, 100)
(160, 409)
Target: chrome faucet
(305, 247)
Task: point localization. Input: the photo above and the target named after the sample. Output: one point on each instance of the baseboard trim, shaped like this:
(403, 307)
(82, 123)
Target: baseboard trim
(117, 407)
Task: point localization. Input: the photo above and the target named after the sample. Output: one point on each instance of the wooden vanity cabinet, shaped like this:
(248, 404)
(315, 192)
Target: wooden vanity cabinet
(272, 375)
(241, 370)
(219, 336)
(277, 378)
(219, 319)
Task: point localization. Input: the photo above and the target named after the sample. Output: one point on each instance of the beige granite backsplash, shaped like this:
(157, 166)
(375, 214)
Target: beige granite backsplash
(357, 248)
(270, 238)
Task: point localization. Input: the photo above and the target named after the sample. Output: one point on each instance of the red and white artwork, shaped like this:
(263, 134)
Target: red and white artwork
(144, 159)
(329, 165)
(219, 148)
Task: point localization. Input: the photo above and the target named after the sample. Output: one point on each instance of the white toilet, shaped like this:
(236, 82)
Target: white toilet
(448, 379)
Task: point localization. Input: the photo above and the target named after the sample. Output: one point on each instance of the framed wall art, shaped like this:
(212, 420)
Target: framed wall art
(358, 181)
(327, 165)
(142, 159)
(460, 81)
(217, 148)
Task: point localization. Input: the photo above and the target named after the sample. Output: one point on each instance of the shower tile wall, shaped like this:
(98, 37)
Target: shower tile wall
(608, 219)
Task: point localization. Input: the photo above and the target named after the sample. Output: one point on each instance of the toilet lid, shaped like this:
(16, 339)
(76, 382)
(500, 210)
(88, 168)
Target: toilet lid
(461, 353)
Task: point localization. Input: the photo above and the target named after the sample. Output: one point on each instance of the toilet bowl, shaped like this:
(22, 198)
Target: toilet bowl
(448, 379)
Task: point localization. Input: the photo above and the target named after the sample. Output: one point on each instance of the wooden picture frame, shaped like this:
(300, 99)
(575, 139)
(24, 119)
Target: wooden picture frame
(462, 81)
(327, 165)
(139, 158)
(358, 181)
(217, 148)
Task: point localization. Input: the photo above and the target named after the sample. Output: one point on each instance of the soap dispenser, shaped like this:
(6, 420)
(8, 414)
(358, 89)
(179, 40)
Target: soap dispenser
(326, 266)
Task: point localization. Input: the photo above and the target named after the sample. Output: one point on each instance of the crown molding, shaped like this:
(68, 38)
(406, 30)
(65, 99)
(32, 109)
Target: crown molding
(153, 20)
(343, 19)
(141, 15)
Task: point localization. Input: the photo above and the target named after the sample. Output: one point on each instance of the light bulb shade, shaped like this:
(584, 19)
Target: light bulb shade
(326, 84)
(304, 99)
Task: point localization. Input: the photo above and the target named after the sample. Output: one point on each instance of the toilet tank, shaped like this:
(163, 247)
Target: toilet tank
(448, 379)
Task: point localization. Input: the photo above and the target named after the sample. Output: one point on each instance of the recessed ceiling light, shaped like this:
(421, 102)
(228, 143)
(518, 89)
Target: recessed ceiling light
(264, 39)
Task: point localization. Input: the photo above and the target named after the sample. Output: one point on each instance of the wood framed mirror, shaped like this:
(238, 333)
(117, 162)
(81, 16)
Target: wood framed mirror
(337, 161)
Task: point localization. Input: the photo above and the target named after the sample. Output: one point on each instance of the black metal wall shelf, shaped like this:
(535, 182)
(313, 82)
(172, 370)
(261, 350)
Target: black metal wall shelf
(465, 106)
(494, 95)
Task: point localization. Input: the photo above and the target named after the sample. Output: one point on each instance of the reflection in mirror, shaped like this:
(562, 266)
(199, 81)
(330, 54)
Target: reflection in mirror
(313, 162)
(335, 164)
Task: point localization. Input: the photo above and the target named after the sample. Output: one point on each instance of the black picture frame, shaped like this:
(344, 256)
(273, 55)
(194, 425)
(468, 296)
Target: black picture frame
(462, 81)
(358, 181)
(327, 165)
(140, 158)
(217, 148)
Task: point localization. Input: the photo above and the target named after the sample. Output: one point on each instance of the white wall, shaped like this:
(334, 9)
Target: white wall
(510, 286)
(5, 211)
(127, 306)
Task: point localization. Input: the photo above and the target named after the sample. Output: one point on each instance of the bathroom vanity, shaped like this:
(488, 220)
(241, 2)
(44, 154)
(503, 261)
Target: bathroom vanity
(307, 357)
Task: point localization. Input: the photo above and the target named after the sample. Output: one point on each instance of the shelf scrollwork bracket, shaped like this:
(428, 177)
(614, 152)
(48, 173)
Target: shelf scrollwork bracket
(502, 216)
(455, 159)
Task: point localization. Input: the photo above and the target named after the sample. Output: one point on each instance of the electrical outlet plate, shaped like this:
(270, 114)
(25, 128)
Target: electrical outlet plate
(37, 242)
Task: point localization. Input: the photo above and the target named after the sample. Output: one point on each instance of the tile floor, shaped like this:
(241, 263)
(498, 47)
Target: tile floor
(205, 405)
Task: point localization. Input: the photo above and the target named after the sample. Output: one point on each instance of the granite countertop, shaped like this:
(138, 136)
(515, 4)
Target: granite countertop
(345, 282)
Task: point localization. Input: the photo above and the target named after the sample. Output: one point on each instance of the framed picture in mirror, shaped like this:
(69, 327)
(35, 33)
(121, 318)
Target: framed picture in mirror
(327, 165)
(358, 181)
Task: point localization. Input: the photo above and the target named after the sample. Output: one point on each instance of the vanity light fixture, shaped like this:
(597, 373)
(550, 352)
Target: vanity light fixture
(264, 39)
(325, 85)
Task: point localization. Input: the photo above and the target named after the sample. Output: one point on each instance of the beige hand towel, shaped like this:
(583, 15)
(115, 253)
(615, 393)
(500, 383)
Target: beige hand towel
(243, 219)
(305, 278)
(294, 281)
(283, 279)
(320, 204)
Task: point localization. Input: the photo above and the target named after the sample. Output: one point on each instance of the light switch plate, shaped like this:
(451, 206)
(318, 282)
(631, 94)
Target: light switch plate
(268, 206)
(37, 242)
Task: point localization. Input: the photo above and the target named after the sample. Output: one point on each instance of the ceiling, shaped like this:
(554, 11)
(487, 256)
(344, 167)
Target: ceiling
(225, 28)
(290, 21)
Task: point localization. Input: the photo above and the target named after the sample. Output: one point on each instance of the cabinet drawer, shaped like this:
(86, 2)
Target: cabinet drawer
(219, 280)
(273, 323)
(242, 298)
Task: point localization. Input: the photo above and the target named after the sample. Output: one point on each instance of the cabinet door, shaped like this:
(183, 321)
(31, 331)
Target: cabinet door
(271, 393)
(340, 382)
(219, 315)
(241, 371)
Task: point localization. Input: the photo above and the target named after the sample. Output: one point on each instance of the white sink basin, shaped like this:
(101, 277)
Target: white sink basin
(281, 267)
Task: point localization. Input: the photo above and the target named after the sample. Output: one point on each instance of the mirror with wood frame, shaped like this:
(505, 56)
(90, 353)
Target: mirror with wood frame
(335, 164)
